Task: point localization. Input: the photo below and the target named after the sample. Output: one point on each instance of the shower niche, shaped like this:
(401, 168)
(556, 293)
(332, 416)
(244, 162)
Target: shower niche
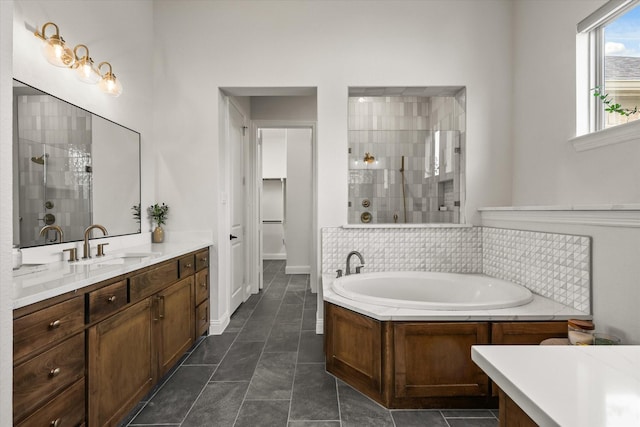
(406, 155)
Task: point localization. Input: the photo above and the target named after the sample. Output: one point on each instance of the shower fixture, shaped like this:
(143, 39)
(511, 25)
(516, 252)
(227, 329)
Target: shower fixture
(40, 160)
(368, 158)
(404, 197)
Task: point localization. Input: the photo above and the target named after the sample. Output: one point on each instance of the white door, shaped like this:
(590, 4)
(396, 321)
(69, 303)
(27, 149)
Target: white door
(238, 258)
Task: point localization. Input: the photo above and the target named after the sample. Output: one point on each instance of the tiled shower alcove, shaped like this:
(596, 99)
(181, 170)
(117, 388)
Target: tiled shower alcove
(556, 266)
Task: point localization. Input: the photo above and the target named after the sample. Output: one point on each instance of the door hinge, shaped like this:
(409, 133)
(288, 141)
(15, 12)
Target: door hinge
(457, 150)
(244, 130)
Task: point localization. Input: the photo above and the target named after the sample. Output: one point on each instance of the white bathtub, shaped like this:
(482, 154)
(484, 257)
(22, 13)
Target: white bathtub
(432, 291)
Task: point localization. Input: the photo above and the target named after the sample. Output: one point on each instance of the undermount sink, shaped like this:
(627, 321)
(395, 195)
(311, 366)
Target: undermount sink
(118, 258)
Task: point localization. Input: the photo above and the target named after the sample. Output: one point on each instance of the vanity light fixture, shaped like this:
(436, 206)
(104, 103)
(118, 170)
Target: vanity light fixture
(109, 84)
(54, 48)
(59, 54)
(85, 70)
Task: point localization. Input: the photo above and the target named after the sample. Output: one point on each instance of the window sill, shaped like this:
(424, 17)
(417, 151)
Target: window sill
(628, 132)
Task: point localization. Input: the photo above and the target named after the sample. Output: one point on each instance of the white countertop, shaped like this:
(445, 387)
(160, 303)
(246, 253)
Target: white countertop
(539, 309)
(56, 278)
(568, 386)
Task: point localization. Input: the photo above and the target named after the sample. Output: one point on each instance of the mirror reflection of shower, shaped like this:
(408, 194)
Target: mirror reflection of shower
(417, 137)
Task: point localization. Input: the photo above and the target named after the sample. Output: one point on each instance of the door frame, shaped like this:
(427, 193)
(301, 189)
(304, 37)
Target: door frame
(254, 192)
(245, 149)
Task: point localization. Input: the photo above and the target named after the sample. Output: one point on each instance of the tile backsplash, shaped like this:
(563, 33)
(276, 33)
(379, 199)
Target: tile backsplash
(556, 266)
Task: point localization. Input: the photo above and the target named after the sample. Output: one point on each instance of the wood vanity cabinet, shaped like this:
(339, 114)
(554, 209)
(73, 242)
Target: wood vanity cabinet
(107, 344)
(511, 415)
(49, 362)
(174, 319)
(202, 292)
(121, 366)
(420, 364)
(354, 349)
(434, 359)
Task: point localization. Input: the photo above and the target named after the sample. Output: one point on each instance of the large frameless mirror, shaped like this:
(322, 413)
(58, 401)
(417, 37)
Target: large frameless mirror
(71, 169)
(406, 155)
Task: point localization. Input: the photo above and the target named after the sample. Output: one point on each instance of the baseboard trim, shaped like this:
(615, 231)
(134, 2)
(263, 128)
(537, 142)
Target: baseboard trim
(217, 326)
(319, 326)
(274, 256)
(297, 269)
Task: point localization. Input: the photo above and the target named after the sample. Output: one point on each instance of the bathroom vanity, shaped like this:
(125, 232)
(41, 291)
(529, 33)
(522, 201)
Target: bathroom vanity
(90, 344)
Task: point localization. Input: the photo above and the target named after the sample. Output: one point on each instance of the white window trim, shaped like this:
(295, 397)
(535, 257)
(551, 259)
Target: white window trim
(628, 132)
(586, 77)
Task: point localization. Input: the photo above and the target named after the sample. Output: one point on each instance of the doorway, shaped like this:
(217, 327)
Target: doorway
(285, 157)
(293, 109)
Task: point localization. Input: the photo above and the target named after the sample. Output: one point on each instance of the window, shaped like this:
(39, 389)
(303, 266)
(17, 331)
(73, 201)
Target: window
(614, 64)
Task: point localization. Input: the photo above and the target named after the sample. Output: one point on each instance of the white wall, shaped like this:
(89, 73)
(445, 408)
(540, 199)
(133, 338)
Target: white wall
(6, 212)
(274, 153)
(321, 44)
(295, 108)
(546, 168)
(299, 201)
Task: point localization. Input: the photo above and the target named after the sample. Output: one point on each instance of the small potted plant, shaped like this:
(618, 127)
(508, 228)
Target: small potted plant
(158, 214)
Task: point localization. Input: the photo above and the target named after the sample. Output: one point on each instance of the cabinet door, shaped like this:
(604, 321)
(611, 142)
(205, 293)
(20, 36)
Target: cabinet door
(353, 349)
(434, 359)
(120, 363)
(202, 286)
(176, 324)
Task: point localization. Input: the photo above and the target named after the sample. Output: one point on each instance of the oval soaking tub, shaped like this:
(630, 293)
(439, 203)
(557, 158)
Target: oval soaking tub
(432, 291)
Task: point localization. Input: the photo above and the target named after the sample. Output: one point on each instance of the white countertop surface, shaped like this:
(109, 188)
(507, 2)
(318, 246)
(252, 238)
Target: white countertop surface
(56, 278)
(568, 386)
(539, 309)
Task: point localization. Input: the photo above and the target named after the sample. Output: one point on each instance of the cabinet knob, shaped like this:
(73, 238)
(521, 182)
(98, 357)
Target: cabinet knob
(204, 259)
(56, 422)
(54, 372)
(55, 324)
(111, 299)
(187, 265)
(204, 284)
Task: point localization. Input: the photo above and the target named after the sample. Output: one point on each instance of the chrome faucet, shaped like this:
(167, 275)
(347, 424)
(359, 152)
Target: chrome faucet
(86, 249)
(358, 268)
(44, 230)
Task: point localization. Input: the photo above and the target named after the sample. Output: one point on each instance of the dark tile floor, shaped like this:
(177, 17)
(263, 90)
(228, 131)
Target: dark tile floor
(267, 369)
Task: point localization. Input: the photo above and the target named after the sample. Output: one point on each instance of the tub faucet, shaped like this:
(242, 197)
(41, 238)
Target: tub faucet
(86, 249)
(358, 268)
(44, 230)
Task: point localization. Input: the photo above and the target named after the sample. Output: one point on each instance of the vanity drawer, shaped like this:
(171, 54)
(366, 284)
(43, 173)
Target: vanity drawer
(40, 378)
(202, 285)
(65, 410)
(202, 318)
(107, 300)
(202, 259)
(187, 265)
(37, 330)
(152, 281)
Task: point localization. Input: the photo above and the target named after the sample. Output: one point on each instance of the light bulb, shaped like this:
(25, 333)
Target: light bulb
(57, 53)
(85, 70)
(110, 85)
(54, 49)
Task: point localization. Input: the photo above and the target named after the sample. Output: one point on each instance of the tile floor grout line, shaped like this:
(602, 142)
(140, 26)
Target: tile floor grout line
(264, 345)
(204, 386)
(295, 369)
